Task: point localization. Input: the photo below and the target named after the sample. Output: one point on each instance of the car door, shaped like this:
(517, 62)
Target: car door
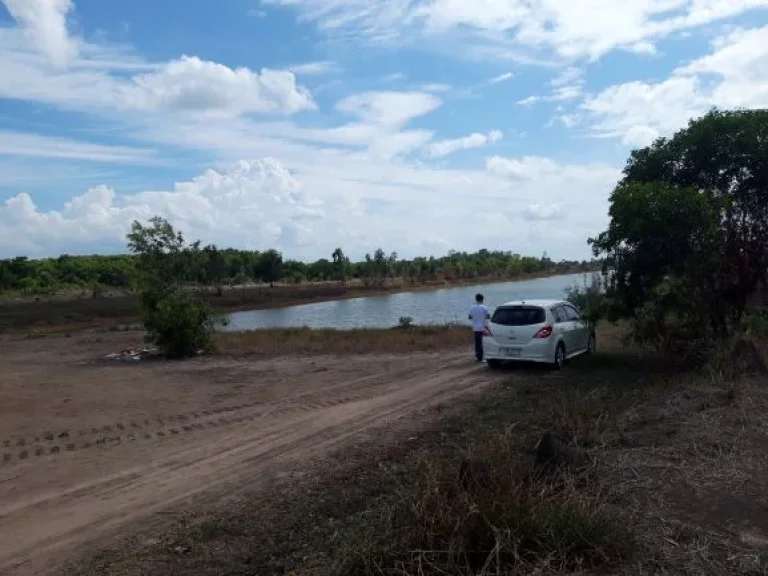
(564, 327)
(579, 330)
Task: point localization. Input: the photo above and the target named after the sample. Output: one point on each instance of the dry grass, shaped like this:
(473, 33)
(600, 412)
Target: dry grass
(308, 342)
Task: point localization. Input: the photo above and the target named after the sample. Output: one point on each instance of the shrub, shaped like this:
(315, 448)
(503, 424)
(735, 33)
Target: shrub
(405, 322)
(177, 319)
(589, 298)
(180, 323)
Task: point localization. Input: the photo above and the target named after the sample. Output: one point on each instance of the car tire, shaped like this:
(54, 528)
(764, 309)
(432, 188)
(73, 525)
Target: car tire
(592, 344)
(494, 364)
(559, 360)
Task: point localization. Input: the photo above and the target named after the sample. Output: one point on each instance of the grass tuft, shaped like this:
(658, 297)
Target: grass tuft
(505, 520)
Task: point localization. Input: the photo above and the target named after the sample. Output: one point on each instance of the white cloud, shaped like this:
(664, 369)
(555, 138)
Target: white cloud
(569, 76)
(96, 82)
(328, 201)
(501, 78)
(35, 145)
(442, 148)
(734, 75)
(537, 212)
(529, 101)
(388, 108)
(334, 181)
(435, 87)
(317, 68)
(577, 29)
(190, 83)
(45, 23)
(528, 167)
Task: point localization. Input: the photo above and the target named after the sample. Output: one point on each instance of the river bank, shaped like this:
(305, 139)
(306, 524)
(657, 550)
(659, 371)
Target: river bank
(76, 311)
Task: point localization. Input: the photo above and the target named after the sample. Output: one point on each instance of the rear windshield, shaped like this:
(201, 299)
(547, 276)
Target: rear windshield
(518, 316)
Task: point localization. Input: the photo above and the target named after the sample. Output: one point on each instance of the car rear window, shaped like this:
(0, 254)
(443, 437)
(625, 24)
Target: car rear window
(518, 316)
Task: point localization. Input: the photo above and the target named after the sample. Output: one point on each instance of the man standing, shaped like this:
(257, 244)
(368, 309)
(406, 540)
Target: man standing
(478, 315)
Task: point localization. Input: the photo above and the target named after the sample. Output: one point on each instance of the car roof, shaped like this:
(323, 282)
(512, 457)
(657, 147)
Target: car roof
(533, 302)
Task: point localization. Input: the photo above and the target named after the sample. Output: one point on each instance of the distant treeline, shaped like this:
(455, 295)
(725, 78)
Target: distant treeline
(216, 267)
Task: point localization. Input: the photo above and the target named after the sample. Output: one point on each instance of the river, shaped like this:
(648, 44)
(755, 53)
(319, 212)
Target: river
(446, 305)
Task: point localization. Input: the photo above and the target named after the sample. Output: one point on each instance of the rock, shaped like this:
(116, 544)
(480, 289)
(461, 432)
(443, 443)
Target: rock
(551, 452)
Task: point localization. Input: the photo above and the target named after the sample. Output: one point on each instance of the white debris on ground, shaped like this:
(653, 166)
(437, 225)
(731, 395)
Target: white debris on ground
(132, 355)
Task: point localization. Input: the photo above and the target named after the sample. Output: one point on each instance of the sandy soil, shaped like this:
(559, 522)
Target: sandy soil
(91, 447)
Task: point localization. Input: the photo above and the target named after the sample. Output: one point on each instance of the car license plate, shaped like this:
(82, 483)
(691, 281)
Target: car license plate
(511, 352)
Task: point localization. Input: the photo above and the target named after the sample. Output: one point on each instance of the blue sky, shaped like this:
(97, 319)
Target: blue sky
(416, 125)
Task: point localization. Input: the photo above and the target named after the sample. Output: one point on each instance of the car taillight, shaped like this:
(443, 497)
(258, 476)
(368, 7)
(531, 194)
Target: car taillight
(487, 331)
(545, 332)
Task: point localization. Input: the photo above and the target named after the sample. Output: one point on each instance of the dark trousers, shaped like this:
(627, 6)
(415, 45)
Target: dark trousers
(479, 346)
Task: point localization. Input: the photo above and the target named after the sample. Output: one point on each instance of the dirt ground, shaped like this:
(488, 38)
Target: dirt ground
(90, 447)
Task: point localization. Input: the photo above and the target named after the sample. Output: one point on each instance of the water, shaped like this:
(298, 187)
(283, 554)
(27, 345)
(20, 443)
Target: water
(446, 305)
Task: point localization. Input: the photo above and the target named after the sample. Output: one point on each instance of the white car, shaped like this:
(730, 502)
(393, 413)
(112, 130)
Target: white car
(548, 331)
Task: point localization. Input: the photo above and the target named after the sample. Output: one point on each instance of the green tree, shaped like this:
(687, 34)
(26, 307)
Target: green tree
(271, 266)
(176, 318)
(340, 265)
(689, 219)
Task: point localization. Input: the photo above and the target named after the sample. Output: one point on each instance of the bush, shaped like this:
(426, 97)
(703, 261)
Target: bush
(180, 323)
(405, 322)
(177, 319)
(589, 298)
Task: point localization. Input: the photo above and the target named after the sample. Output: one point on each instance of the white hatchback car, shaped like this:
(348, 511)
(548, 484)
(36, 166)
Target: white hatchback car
(548, 331)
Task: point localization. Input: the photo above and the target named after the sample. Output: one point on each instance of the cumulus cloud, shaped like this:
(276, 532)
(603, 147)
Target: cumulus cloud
(734, 75)
(475, 140)
(97, 82)
(252, 204)
(307, 212)
(45, 23)
(190, 83)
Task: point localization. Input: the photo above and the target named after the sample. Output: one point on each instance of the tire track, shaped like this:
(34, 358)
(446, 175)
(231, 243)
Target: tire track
(156, 428)
(40, 528)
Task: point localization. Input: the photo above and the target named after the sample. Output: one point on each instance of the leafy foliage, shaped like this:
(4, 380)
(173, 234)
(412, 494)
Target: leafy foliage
(176, 318)
(589, 298)
(686, 244)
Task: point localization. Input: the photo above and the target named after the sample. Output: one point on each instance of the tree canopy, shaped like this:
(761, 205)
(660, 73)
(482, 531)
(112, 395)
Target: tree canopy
(689, 224)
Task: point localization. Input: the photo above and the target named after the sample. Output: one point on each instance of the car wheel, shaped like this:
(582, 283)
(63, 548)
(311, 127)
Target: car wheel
(559, 356)
(494, 364)
(592, 344)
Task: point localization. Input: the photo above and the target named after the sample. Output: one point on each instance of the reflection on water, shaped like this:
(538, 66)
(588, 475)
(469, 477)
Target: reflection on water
(425, 307)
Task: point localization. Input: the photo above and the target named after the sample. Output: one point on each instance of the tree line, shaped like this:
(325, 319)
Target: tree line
(210, 265)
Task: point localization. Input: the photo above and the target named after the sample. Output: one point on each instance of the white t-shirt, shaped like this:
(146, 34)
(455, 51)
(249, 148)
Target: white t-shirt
(478, 314)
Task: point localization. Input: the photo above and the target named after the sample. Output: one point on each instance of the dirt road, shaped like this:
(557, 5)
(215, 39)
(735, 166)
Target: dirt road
(89, 448)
